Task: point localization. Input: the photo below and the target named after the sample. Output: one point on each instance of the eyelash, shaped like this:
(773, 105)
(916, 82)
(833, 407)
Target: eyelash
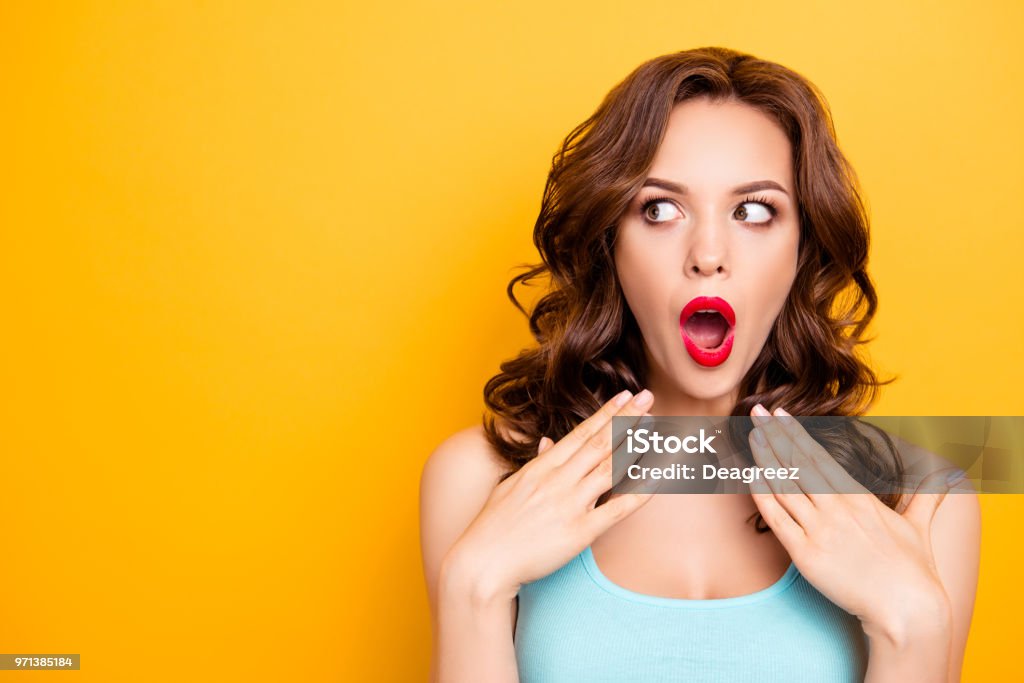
(773, 209)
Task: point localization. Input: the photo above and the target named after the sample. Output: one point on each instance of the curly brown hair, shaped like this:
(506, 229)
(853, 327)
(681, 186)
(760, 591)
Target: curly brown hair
(589, 346)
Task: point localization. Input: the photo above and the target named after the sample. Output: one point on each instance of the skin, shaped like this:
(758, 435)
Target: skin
(909, 575)
(876, 563)
(707, 241)
(699, 246)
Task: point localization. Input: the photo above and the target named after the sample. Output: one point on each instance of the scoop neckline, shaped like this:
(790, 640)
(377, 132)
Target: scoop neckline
(783, 582)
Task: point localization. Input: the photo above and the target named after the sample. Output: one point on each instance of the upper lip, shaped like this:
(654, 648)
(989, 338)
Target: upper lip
(709, 303)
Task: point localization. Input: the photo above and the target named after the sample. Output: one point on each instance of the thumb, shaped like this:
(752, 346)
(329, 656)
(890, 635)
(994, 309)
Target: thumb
(929, 496)
(544, 444)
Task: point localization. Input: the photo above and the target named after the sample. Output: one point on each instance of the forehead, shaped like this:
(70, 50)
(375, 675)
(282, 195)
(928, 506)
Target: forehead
(714, 145)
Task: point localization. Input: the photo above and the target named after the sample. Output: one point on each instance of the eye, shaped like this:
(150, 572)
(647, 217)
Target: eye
(660, 211)
(758, 213)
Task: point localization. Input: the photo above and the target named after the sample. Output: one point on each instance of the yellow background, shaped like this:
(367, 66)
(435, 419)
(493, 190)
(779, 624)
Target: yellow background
(252, 266)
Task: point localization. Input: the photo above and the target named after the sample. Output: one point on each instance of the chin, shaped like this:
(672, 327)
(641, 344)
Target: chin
(702, 383)
(707, 384)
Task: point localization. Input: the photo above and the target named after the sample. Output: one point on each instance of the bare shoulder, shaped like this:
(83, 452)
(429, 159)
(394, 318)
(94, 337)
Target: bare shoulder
(957, 521)
(463, 462)
(956, 542)
(457, 479)
(955, 536)
(917, 463)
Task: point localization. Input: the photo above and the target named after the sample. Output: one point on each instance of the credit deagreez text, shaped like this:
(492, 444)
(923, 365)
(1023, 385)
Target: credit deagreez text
(688, 472)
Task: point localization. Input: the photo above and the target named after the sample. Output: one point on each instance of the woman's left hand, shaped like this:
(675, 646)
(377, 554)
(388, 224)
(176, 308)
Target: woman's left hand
(875, 563)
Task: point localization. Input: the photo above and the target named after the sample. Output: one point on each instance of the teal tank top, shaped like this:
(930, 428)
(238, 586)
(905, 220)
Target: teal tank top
(576, 625)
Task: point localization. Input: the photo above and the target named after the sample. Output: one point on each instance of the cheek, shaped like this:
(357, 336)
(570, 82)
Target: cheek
(782, 272)
(776, 272)
(642, 274)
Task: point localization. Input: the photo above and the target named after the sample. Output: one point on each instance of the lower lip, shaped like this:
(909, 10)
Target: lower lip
(707, 357)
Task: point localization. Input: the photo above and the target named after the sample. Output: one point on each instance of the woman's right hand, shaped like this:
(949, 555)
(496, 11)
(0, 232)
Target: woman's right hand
(544, 515)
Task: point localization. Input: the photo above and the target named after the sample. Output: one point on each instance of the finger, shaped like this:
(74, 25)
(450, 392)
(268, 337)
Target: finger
(617, 508)
(599, 480)
(803, 454)
(797, 504)
(602, 477)
(544, 444)
(599, 446)
(567, 445)
(786, 452)
(929, 496)
(786, 529)
(839, 480)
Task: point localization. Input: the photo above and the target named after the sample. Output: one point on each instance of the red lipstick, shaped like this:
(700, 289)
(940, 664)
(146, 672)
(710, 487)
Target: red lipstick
(707, 325)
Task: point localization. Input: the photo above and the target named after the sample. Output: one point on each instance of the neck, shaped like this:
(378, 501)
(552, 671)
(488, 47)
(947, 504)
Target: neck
(669, 400)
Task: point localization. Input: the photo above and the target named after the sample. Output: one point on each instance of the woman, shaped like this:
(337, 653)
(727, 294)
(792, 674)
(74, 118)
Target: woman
(706, 248)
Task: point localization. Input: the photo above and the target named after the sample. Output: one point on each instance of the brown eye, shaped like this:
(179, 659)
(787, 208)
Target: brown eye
(753, 212)
(660, 211)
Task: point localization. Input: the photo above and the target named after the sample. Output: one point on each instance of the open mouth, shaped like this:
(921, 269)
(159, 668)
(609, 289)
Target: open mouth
(707, 329)
(707, 325)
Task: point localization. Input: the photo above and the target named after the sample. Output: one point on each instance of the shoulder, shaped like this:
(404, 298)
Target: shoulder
(955, 539)
(462, 463)
(956, 545)
(456, 481)
(917, 463)
(958, 515)
(956, 527)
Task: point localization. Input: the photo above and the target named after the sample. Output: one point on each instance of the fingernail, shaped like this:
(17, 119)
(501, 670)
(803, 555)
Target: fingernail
(783, 416)
(643, 399)
(759, 414)
(759, 437)
(622, 399)
(956, 477)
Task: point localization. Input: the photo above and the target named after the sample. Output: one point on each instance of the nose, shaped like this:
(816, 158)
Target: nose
(708, 251)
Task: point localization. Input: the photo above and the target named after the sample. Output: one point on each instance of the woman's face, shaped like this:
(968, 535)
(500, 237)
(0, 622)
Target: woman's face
(706, 253)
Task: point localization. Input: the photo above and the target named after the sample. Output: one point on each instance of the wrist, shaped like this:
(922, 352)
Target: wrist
(914, 619)
(466, 579)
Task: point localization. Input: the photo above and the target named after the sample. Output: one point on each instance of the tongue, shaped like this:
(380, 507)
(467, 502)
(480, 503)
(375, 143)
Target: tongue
(707, 330)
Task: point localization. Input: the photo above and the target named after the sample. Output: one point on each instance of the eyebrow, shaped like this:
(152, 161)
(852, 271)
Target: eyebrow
(741, 189)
